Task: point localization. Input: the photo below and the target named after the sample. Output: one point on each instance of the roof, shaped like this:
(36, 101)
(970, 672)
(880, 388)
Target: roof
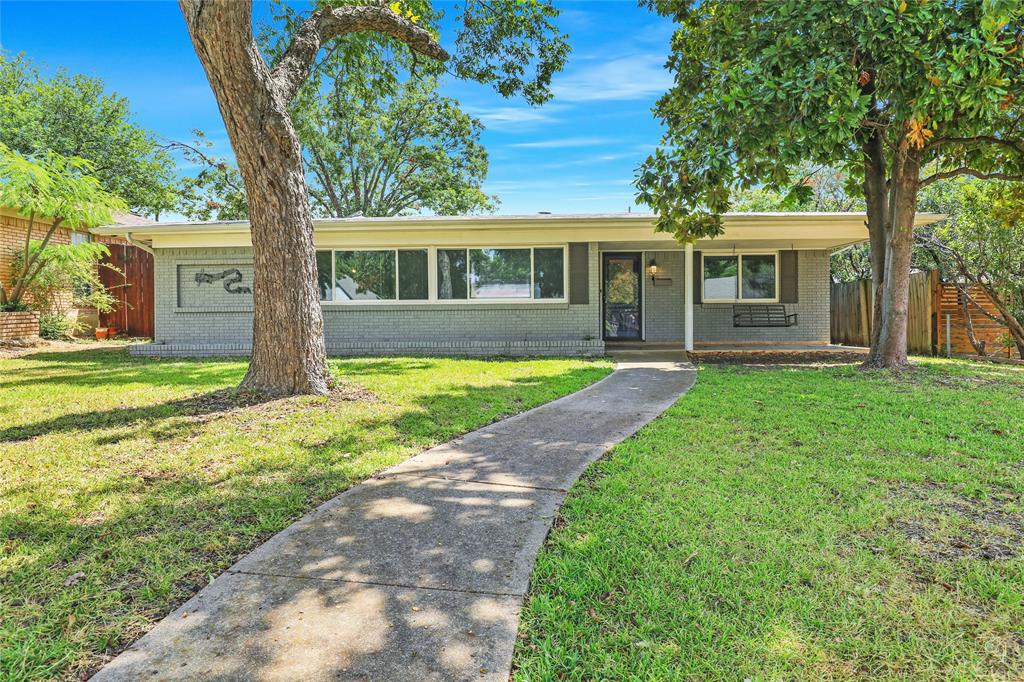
(480, 221)
(132, 219)
(761, 230)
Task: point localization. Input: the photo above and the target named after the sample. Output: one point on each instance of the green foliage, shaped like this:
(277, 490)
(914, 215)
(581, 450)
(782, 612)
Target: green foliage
(73, 115)
(217, 191)
(761, 88)
(67, 278)
(59, 188)
(981, 240)
(57, 326)
(376, 153)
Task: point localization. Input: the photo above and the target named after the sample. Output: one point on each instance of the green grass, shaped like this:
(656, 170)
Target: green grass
(797, 523)
(121, 494)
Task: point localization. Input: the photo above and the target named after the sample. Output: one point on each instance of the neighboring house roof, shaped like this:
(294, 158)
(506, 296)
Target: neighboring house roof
(132, 219)
(749, 230)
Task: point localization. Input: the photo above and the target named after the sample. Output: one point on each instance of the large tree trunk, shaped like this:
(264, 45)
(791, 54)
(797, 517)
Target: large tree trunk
(288, 353)
(889, 334)
(877, 205)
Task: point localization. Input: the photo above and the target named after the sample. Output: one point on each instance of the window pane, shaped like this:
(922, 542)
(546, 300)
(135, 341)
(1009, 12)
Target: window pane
(548, 273)
(323, 274)
(499, 273)
(412, 275)
(720, 277)
(364, 275)
(451, 273)
(759, 277)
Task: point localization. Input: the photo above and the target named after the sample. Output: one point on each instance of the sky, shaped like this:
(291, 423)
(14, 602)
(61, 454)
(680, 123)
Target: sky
(575, 154)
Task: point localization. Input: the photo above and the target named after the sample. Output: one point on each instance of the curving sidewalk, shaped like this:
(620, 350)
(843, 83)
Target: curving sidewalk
(417, 574)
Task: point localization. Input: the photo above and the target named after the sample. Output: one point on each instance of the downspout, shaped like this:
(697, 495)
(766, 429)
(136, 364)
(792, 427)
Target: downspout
(145, 247)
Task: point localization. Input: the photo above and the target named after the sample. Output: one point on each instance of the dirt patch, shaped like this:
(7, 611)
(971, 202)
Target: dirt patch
(953, 526)
(760, 358)
(9, 350)
(217, 403)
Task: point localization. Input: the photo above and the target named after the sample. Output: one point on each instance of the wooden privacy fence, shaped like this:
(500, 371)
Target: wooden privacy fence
(853, 305)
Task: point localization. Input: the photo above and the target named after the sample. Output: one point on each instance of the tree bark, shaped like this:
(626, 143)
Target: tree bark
(876, 202)
(890, 351)
(288, 353)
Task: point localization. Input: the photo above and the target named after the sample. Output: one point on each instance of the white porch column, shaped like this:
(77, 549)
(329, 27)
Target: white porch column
(688, 295)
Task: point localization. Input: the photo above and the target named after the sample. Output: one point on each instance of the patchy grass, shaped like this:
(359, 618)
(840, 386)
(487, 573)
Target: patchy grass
(126, 485)
(796, 523)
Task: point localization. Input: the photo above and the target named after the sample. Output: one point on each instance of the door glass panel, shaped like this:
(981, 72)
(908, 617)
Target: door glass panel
(621, 298)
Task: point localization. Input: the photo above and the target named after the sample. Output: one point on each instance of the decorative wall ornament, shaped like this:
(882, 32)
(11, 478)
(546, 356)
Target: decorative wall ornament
(231, 278)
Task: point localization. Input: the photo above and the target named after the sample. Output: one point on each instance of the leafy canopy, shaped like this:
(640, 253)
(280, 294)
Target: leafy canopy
(57, 187)
(762, 87)
(74, 116)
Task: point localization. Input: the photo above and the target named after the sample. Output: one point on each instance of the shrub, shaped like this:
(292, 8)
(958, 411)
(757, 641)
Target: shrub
(57, 326)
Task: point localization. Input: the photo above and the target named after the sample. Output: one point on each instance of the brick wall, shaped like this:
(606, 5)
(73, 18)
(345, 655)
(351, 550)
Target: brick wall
(12, 241)
(712, 322)
(19, 326)
(200, 319)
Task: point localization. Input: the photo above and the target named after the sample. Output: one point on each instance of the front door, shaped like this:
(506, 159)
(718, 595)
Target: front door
(620, 277)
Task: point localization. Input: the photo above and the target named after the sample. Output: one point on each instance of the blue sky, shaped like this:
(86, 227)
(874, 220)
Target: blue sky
(575, 154)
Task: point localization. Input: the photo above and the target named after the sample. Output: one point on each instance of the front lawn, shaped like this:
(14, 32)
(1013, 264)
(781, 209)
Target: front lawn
(796, 523)
(126, 485)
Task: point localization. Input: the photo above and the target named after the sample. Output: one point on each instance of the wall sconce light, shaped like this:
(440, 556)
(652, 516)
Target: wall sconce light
(652, 270)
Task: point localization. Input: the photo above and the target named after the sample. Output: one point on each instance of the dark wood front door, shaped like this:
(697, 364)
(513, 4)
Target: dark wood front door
(621, 306)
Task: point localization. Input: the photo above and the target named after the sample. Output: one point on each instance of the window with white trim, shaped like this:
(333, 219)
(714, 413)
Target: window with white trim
(513, 274)
(733, 278)
(369, 275)
(531, 273)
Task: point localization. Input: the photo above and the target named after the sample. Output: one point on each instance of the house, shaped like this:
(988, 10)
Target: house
(513, 285)
(13, 233)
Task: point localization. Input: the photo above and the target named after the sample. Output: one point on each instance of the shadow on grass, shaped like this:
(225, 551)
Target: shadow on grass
(154, 537)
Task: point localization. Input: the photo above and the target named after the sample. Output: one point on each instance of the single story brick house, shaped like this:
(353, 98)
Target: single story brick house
(510, 285)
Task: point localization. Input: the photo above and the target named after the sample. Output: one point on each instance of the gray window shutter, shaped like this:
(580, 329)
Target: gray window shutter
(579, 273)
(788, 264)
(698, 278)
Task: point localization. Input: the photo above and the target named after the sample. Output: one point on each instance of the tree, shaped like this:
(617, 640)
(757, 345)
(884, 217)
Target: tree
(216, 192)
(61, 189)
(497, 42)
(979, 245)
(372, 154)
(72, 115)
(897, 94)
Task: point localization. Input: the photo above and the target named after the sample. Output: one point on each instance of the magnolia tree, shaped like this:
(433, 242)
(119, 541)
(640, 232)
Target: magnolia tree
(58, 189)
(897, 94)
(509, 44)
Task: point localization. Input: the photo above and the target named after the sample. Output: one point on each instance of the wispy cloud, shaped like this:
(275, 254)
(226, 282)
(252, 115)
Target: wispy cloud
(638, 76)
(562, 142)
(514, 118)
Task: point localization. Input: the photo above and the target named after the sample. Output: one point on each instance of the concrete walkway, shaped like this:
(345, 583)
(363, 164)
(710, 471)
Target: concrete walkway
(417, 574)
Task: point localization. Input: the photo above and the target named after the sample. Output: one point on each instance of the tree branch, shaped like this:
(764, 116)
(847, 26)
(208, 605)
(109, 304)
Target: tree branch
(324, 24)
(1016, 145)
(964, 170)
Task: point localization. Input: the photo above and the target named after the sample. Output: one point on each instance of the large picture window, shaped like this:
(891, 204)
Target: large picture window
(372, 275)
(740, 277)
(466, 274)
(501, 274)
